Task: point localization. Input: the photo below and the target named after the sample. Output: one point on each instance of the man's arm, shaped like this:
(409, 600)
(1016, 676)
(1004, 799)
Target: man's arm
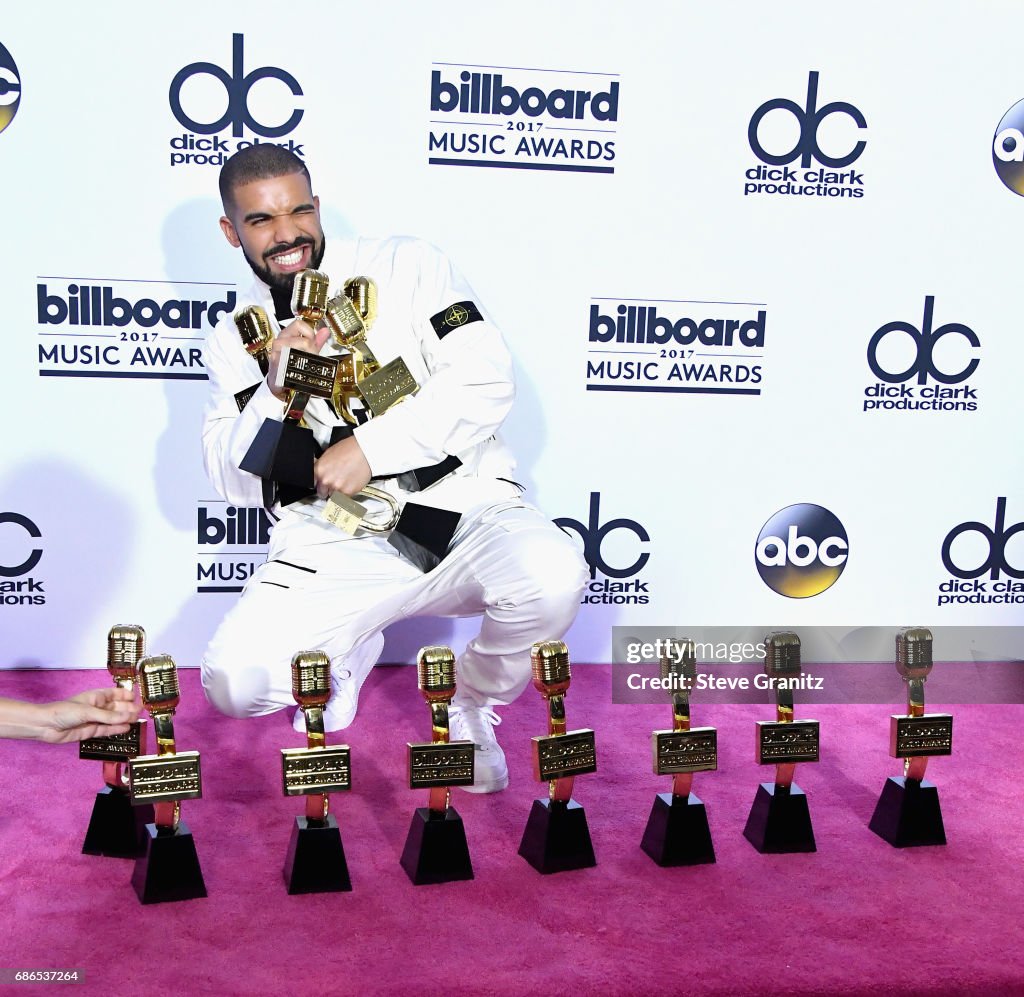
(470, 388)
(97, 713)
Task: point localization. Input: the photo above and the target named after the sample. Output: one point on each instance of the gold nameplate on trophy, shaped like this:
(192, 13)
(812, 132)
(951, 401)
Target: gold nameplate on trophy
(441, 764)
(165, 778)
(114, 747)
(921, 737)
(307, 372)
(309, 771)
(787, 743)
(560, 756)
(344, 512)
(388, 386)
(681, 751)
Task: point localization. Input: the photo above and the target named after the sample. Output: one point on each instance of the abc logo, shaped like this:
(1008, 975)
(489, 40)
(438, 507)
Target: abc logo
(10, 88)
(991, 542)
(594, 535)
(1008, 148)
(237, 84)
(923, 363)
(801, 551)
(809, 119)
(8, 570)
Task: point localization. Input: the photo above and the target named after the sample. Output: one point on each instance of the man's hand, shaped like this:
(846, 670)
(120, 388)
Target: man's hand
(96, 713)
(297, 335)
(342, 468)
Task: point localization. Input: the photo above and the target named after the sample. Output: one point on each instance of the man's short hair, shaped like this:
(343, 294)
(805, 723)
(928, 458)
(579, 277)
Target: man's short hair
(257, 162)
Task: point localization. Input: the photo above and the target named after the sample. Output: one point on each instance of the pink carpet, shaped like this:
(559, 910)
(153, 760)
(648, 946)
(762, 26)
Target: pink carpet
(856, 917)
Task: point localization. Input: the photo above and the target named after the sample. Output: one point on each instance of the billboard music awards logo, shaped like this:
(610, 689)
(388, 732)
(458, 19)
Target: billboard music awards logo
(922, 368)
(806, 151)
(974, 549)
(619, 540)
(231, 543)
(10, 88)
(126, 328)
(19, 556)
(1008, 148)
(266, 111)
(527, 119)
(694, 347)
(801, 551)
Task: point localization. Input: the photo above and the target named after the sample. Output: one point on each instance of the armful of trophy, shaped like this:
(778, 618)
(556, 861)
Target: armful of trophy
(284, 449)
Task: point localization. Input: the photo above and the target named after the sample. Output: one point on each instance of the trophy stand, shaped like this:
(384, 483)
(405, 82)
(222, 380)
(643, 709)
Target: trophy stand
(779, 819)
(908, 813)
(315, 862)
(116, 828)
(677, 831)
(435, 849)
(557, 838)
(169, 868)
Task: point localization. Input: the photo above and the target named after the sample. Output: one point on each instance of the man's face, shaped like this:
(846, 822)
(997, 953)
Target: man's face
(276, 224)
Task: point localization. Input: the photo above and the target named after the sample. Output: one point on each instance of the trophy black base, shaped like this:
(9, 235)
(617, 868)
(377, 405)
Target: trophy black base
(169, 870)
(779, 821)
(908, 814)
(557, 838)
(316, 858)
(283, 452)
(677, 832)
(116, 828)
(435, 849)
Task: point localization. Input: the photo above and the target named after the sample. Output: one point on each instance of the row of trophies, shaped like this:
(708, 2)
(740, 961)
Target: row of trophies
(137, 813)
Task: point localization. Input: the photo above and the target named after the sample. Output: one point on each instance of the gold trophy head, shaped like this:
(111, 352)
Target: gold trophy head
(435, 672)
(309, 295)
(678, 658)
(782, 653)
(344, 321)
(550, 662)
(362, 292)
(158, 678)
(126, 645)
(311, 678)
(914, 653)
(254, 328)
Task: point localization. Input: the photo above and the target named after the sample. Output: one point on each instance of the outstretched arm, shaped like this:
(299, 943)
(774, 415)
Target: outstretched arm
(96, 713)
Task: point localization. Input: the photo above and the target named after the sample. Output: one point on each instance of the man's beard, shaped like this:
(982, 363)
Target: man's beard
(280, 284)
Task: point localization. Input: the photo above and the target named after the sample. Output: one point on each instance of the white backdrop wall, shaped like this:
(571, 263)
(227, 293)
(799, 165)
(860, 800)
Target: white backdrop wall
(105, 512)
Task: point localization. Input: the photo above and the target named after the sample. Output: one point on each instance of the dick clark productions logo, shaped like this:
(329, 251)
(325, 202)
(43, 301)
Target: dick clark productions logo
(191, 148)
(780, 173)
(801, 551)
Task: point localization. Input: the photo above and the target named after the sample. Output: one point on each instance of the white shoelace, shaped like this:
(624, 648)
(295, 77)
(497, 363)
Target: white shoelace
(472, 722)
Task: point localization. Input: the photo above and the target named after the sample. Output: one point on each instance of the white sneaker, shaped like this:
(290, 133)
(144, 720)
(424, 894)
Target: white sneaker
(476, 724)
(340, 710)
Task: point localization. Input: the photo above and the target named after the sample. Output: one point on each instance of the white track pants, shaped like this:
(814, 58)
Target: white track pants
(508, 562)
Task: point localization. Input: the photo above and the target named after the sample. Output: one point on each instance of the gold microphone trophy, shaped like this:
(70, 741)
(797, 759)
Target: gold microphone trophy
(557, 838)
(169, 869)
(677, 831)
(284, 450)
(908, 811)
(117, 828)
(257, 337)
(779, 819)
(316, 857)
(435, 849)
